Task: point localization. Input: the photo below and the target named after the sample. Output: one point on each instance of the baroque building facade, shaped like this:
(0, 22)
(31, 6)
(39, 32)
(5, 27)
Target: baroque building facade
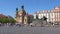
(52, 15)
(22, 17)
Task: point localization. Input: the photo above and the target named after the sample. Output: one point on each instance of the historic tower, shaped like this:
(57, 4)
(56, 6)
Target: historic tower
(21, 16)
(22, 13)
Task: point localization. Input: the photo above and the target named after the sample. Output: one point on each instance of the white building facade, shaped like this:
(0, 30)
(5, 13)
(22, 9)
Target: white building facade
(52, 15)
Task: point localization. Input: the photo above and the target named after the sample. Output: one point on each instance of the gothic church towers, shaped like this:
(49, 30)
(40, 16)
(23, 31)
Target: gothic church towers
(20, 16)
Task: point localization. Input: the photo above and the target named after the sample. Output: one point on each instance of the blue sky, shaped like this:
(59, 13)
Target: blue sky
(7, 7)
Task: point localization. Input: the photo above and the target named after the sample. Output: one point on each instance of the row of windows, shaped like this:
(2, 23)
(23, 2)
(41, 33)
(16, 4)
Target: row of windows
(53, 20)
(48, 15)
(51, 15)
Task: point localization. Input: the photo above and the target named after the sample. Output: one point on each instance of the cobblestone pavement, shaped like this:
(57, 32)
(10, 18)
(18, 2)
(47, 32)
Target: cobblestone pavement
(29, 30)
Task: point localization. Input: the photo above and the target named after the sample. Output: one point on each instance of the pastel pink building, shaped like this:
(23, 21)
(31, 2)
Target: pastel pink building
(52, 15)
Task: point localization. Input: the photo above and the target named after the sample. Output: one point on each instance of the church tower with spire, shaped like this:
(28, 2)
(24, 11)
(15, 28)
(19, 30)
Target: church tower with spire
(22, 13)
(21, 17)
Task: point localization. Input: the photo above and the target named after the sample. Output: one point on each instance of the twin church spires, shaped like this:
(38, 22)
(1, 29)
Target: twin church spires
(22, 7)
(21, 17)
(21, 10)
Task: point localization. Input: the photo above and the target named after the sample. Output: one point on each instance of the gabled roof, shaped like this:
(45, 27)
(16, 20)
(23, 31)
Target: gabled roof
(57, 8)
(2, 16)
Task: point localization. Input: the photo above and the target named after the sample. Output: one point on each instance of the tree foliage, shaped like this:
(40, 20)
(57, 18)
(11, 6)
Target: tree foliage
(7, 20)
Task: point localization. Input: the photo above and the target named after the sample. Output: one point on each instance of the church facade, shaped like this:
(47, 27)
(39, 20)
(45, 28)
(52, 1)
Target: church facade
(22, 17)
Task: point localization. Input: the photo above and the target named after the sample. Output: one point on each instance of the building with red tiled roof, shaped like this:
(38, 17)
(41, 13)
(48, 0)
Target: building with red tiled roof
(3, 16)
